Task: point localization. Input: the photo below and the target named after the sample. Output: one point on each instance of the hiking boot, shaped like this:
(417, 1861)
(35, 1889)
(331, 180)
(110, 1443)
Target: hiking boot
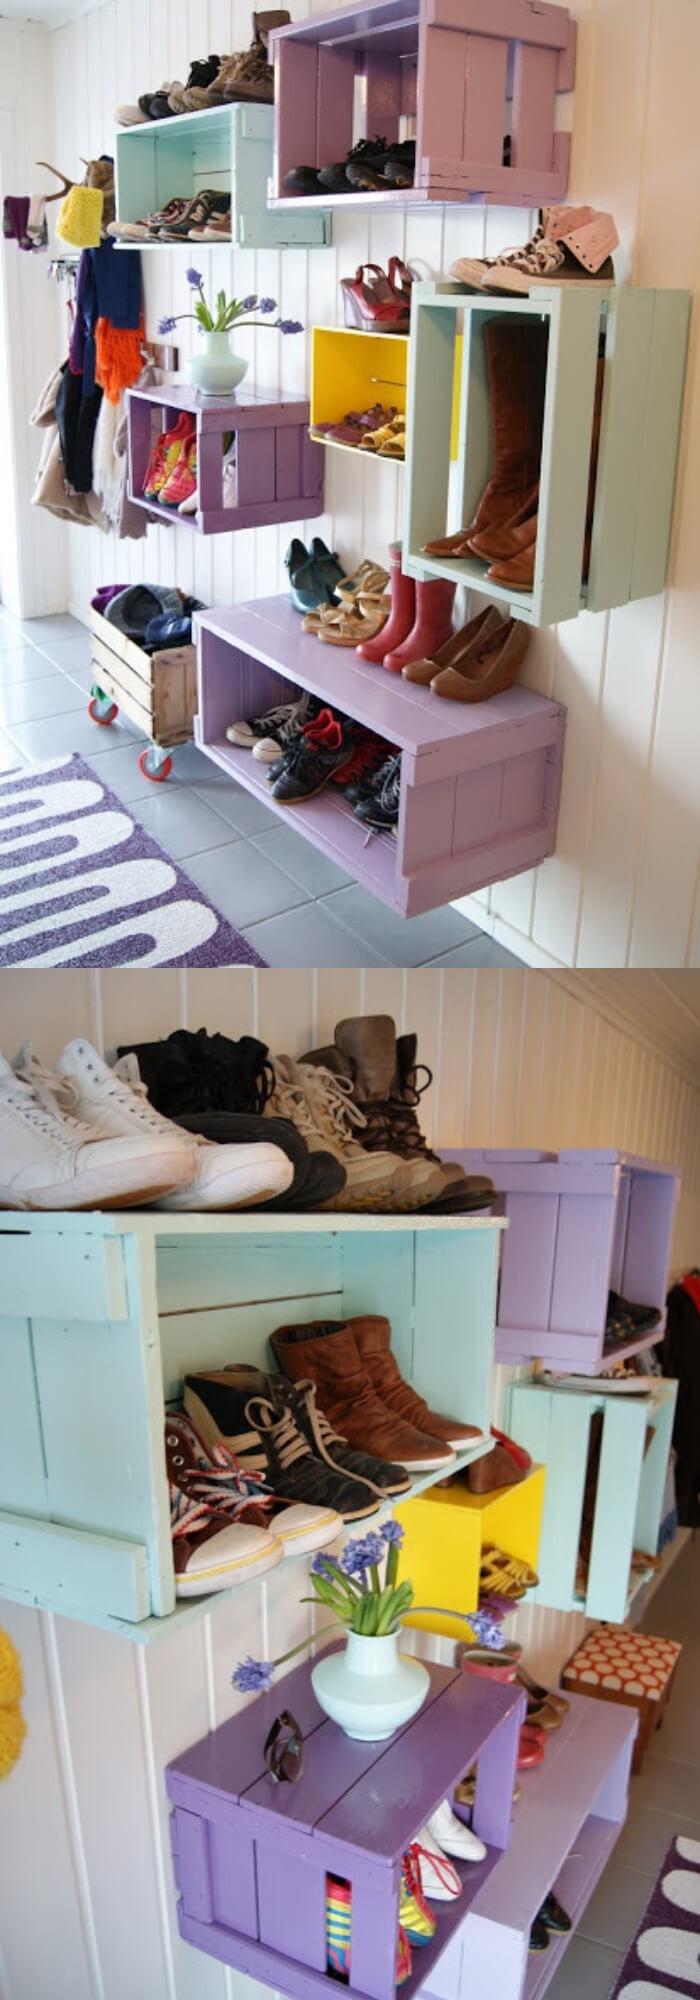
(248, 77)
(418, 1181)
(384, 1077)
(324, 747)
(252, 1415)
(389, 1479)
(372, 1337)
(211, 1553)
(320, 1107)
(114, 1102)
(326, 1351)
(49, 1160)
(211, 1476)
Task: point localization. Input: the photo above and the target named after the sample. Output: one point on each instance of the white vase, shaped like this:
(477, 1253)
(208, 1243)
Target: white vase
(370, 1688)
(215, 370)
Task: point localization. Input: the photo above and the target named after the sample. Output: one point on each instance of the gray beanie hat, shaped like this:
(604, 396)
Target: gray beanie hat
(132, 609)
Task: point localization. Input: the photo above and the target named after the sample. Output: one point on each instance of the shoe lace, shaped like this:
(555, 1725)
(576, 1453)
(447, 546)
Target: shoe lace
(289, 1100)
(330, 1100)
(410, 1879)
(303, 1395)
(187, 1516)
(222, 1484)
(285, 719)
(540, 254)
(279, 1424)
(35, 1093)
(440, 1864)
(390, 775)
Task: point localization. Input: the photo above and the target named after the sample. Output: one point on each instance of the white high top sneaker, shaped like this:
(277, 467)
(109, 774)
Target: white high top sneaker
(115, 1101)
(51, 1161)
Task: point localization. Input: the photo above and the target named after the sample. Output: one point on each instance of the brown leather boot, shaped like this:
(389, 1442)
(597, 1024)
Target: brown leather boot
(372, 1336)
(516, 360)
(496, 1468)
(326, 1351)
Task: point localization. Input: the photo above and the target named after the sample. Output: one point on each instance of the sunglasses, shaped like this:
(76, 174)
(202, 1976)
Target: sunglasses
(284, 1749)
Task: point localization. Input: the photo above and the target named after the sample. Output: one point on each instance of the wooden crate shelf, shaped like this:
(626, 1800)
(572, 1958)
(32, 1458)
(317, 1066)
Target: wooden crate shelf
(228, 147)
(104, 1314)
(554, 1426)
(464, 72)
(580, 1224)
(158, 691)
(279, 469)
(251, 1864)
(644, 335)
(446, 1529)
(479, 785)
(351, 369)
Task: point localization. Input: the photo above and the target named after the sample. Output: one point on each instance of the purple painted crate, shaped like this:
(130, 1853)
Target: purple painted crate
(251, 1857)
(580, 1223)
(479, 782)
(467, 71)
(279, 468)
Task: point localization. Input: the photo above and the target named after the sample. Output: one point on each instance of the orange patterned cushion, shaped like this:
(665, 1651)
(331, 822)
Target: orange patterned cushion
(631, 1663)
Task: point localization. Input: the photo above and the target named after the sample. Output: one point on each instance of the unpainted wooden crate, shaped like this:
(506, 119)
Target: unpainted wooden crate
(158, 691)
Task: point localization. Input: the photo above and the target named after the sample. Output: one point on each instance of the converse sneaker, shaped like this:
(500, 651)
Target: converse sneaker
(379, 808)
(324, 747)
(210, 1474)
(389, 1479)
(252, 1414)
(115, 1102)
(267, 735)
(415, 1918)
(51, 1161)
(570, 246)
(452, 1836)
(210, 1553)
(437, 1876)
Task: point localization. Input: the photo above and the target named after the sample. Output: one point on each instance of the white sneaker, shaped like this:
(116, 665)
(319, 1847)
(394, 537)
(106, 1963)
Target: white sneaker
(452, 1836)
(209, 1554)
(437, 1876)
(50, 1160)
(115, 1102)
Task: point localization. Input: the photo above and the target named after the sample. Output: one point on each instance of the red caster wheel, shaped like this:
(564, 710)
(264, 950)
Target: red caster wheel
(155, 765)
(102, 709)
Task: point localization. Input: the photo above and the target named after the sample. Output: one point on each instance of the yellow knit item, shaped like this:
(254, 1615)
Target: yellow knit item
(79, 219)
(12, 1725)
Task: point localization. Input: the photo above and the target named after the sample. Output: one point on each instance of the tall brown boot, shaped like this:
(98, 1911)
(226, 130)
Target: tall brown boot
(372, 1337)
(326, 1351)
(516, 359)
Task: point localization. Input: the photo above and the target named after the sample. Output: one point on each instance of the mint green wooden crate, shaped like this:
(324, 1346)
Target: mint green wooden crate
(102, 1316)
(553, 1425)
(645, 339)
(227, 147)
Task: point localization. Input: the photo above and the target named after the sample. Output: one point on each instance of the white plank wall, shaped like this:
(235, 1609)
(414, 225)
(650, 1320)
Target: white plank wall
(516, 1059)
(623, 887)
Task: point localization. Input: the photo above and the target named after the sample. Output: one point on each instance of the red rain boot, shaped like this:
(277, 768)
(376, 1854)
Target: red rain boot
(433, 625)
(401, 615)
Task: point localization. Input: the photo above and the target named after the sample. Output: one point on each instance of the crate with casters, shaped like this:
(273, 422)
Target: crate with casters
(625, 346)
(606, 1458)
(158, 691)
(104, 1314)
(479, 782)
(227, 149)
(583, 1224)
(274, 470)
(478, 83)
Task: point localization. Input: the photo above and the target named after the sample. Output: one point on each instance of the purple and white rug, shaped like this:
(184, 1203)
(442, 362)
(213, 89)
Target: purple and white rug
(665, 1955)
(83, 884)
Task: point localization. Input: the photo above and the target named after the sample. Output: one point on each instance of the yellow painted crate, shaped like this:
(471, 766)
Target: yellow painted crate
(446, 1529)
(351, 370)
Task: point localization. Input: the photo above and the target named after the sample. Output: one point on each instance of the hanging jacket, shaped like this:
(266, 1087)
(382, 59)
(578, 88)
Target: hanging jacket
(680, 1357)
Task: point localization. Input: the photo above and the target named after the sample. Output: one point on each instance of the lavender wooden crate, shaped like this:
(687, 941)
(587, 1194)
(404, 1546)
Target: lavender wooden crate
(565, 1825)
(251, 1858)
(465, 71)
(581, 1223)
(279, 468)
(479, 784)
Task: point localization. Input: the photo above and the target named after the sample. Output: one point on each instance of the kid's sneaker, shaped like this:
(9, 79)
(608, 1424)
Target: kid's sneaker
(210, 1553)
(180, 485)
(416, 1920)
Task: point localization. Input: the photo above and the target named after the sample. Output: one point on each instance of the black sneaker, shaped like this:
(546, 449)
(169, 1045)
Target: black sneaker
(335, 177)
(380, 809)
(313, 760)
(388, 1478)
(251, 1413)
(302, 180)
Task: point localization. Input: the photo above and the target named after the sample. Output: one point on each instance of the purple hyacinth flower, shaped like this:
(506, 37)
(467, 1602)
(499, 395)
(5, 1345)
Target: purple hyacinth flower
(487, 1630)
(167, 324)
(358, 1556)
(289, 325)
(323, 1566)
(393, 1533)
(267, 305)
(248, 304)
(194, 278)
(252, 1676)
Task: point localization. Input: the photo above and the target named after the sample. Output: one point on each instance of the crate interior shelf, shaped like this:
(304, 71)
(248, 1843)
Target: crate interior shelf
(278, 469)
(644, 338)
(251, 1859)
(479, 782)
(123, 1306)
(445, 1531)
(228, 148)
(580, 1224)
(353, 368)
(606, 1459)
(466, 76)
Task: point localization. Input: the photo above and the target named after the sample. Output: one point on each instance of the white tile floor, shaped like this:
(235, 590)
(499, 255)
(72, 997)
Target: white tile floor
(664, 1801)
(294, 905)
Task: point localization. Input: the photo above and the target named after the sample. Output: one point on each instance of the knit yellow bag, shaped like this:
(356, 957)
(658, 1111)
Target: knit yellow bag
(79, 219)
(12, 1724)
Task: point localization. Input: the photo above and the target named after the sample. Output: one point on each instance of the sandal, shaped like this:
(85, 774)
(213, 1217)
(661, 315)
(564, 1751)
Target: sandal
(498, 1571)
(349, 628)
(366, 580)
(551, 1695)
(543, 1715)
(371, 300)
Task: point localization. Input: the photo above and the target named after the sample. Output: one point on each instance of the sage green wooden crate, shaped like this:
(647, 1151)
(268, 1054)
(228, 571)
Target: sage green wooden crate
(227, 147)
(554, 1426)
(102, 1316)
(644, 334)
